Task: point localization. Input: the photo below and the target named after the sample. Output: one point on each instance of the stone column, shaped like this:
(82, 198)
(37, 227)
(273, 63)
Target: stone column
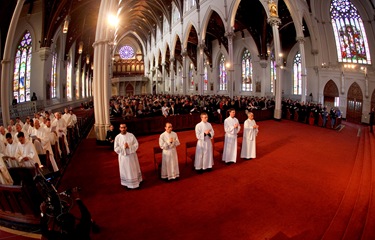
(184, 85)
(6, 67)
(275, 22)
(229, 36)
(172, 75)
(263, 64)
(164, 74)
(200, 63)
(301, 41)
(101, 78)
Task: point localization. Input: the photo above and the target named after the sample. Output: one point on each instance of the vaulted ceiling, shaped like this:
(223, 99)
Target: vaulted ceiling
(143, 17)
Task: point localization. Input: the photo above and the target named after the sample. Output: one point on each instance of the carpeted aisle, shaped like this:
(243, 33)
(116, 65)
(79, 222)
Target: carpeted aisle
(292, 190)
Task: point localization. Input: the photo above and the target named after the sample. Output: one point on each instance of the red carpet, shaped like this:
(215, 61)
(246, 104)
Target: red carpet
(291, 191)
(306, 183)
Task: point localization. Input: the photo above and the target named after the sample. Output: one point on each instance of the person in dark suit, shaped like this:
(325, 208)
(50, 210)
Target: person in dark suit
(111, 134)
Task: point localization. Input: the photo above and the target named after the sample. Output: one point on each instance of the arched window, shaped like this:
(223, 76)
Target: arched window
(77, 83)
(297, 82)
(53, 75)
(247, 72)
(223, 81)
(273, 72)
(191, 76)
(69, 80)
(22, 68)
(350, 34)
(176, 14)
(205, 79)
(83, 84)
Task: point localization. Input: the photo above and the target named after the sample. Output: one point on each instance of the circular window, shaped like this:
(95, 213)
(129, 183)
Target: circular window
(126, 52)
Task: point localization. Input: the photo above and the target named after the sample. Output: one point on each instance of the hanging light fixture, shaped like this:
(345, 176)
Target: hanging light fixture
(67, 19)
(66, 24)
(80, 47)
(88, 59)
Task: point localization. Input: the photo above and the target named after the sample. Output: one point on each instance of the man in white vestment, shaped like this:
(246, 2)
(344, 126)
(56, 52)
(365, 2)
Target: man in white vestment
(231, 128)
(126, 146)
(10, 151)
(61, 129)
(26, 153)
(2, 134)
(18, 130)
(52, 135)
(168, 141)
(204, 152)
(250, 132)
(41, 140)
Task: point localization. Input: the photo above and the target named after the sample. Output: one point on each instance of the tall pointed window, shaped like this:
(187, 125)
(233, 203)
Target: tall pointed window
(247, 72)
(22, 68)
(223, 78)
(297, 70)
(77, 84)
(350, 34)
(69, 81)
(53, 76)
(273, 72)
(205, 79)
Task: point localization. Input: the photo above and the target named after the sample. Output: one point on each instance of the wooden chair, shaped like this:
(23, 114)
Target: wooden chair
(188, 153)
(218, 140)
(157, 157)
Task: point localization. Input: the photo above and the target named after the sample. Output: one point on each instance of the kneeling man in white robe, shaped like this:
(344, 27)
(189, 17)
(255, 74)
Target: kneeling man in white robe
(126, 146)
(168, 141)
(249, 135)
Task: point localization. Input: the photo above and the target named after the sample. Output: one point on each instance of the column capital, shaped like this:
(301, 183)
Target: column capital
(274, 21)
(229, 34)
(314, 51)
(184, 53)
(263, 63)
(172, 59)
(300, 39)
(44, 53)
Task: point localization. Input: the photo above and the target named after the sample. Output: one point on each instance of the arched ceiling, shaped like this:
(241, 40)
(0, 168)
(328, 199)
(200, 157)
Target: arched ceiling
(143, 17)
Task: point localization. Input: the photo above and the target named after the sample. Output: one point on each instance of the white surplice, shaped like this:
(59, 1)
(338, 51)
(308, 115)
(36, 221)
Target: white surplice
(45, 143)
(130, 171)
(204, 152)
(230, 142)
(27, 150)
(248, 141)
(169, 165)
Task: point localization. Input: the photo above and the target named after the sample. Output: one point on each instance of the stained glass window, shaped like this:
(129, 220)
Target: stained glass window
(247, 72)
(22, 68)
(83, 84)
(77, 83)
(69, 81)
(223, 79)
(273, 72)
(53, 75)
(126, 52)
(350, 34)
(191, 76)
(297, 70)
(205, 79)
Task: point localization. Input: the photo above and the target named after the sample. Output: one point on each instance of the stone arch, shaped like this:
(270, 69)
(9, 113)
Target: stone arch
(330, 92)
(354, 104)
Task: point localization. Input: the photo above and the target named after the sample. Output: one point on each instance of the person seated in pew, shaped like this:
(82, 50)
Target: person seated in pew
(111, 135)
(42, 144)
(61, 128)
(26, 153)
(10, 151)
(52, 135)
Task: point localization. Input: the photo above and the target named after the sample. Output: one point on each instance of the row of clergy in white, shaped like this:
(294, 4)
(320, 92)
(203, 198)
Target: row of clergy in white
(40, 137)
